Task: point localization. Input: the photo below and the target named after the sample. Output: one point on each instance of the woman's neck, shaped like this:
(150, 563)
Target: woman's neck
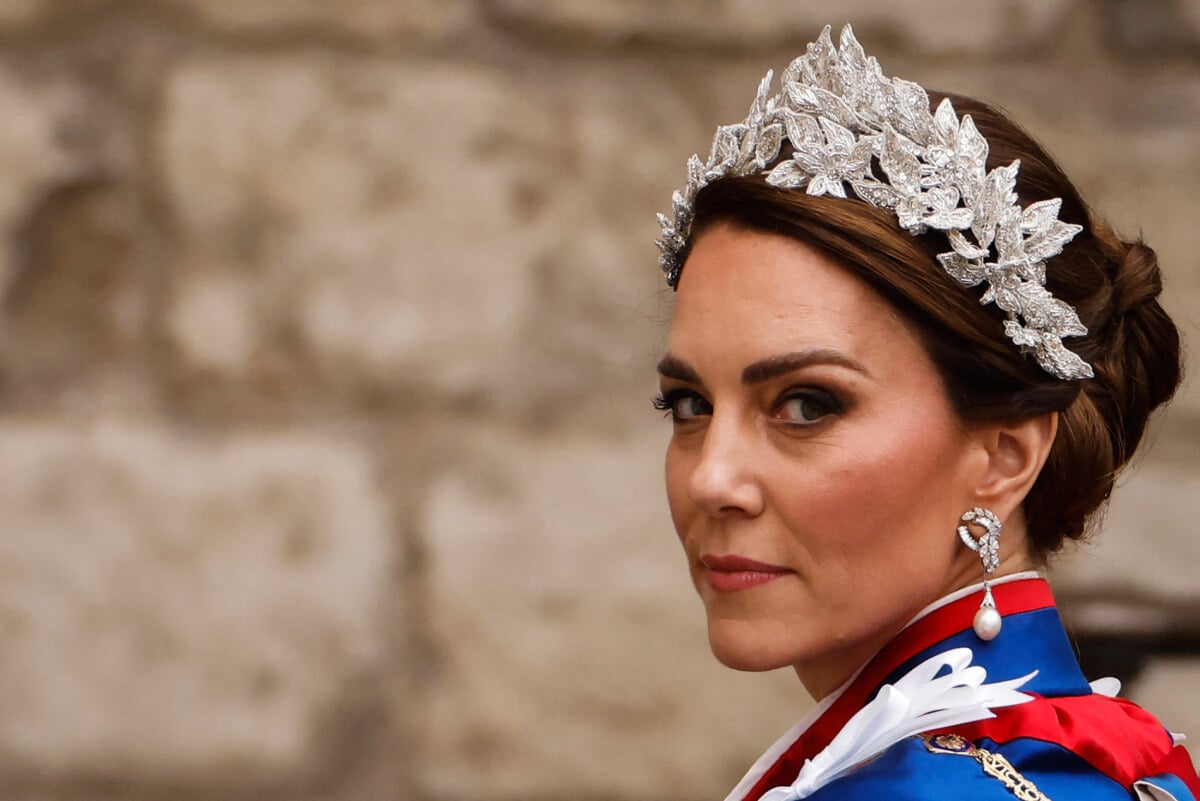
(833, 671)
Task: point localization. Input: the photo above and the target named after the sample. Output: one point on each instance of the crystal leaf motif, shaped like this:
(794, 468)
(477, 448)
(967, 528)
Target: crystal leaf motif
(842, 116)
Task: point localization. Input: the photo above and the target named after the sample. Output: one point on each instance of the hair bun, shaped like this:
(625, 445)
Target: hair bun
(1137, 280)
(1140, 363)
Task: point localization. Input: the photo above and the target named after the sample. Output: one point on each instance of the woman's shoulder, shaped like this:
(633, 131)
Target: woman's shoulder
(939, 767)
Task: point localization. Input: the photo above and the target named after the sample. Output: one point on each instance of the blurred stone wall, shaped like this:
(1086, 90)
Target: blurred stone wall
(327, 331)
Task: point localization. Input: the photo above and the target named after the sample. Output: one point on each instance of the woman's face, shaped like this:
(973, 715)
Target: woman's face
(816, 473)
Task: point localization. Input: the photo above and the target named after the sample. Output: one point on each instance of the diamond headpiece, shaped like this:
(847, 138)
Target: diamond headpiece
(842, 116)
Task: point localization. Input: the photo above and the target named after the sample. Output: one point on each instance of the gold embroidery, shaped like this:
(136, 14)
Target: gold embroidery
(993, 765)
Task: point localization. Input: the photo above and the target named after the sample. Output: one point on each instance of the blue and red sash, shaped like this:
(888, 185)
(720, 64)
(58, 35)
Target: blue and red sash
(1114, 736)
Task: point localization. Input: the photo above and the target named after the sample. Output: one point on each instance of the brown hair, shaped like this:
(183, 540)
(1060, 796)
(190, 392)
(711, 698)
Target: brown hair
(1132, 345)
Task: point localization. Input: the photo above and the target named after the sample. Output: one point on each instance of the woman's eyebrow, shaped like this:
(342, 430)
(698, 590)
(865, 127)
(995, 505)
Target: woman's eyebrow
(674, 367)
(775, 366)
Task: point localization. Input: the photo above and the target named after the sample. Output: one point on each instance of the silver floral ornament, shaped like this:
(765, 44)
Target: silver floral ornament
(842, 117)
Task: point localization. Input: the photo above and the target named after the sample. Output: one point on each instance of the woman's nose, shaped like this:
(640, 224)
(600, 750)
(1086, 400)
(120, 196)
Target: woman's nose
(725, 481)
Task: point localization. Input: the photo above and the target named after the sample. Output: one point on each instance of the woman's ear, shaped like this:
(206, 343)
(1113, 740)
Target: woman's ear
(1015, 454)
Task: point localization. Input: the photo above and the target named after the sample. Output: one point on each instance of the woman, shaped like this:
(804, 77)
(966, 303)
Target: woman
(904, 366)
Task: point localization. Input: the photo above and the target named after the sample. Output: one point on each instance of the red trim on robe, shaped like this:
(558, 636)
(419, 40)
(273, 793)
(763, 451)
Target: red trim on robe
(1113, 735)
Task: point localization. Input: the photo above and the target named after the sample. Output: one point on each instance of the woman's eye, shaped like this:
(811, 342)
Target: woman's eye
(682, 405)
(807, 408)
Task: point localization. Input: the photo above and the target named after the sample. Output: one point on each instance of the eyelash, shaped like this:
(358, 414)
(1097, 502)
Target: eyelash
(666, 402)
(828, 403)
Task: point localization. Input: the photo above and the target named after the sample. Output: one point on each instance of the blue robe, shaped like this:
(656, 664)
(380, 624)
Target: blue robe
(1069, 743)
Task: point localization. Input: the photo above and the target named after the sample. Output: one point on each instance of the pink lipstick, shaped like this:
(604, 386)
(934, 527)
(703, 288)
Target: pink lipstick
(733, 573)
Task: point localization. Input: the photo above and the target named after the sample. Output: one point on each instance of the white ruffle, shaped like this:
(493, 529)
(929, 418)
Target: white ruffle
(1109, 686)
(1147, 790)
(922, 700)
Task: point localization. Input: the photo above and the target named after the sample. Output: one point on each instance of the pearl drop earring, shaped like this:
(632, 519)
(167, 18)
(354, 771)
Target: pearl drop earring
(987, 620)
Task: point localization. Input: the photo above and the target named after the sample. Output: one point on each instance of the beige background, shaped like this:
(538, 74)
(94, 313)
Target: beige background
(327, 464)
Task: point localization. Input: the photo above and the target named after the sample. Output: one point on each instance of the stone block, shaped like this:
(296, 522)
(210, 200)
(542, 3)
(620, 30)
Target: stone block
(1148, 540)
(184, 611)
(74, 319)
(355, 209)
(409, 227)
(573, 647)
(72, 307)
(1190, 12)
(932, 26)
(1143, 30)
(213, 322)
(33, 153)
(367, 19)
(20, 12)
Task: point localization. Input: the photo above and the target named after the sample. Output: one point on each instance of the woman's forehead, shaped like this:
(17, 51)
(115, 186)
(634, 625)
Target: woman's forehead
(763, 293)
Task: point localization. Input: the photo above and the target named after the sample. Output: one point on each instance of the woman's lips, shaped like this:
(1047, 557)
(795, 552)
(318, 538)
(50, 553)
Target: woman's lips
(733, 573)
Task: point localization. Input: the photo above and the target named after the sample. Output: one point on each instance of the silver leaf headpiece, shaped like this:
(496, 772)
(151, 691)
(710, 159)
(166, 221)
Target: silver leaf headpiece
(842, 116)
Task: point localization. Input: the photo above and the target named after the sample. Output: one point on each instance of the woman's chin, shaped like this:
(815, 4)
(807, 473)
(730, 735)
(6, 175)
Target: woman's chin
(746, 653)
